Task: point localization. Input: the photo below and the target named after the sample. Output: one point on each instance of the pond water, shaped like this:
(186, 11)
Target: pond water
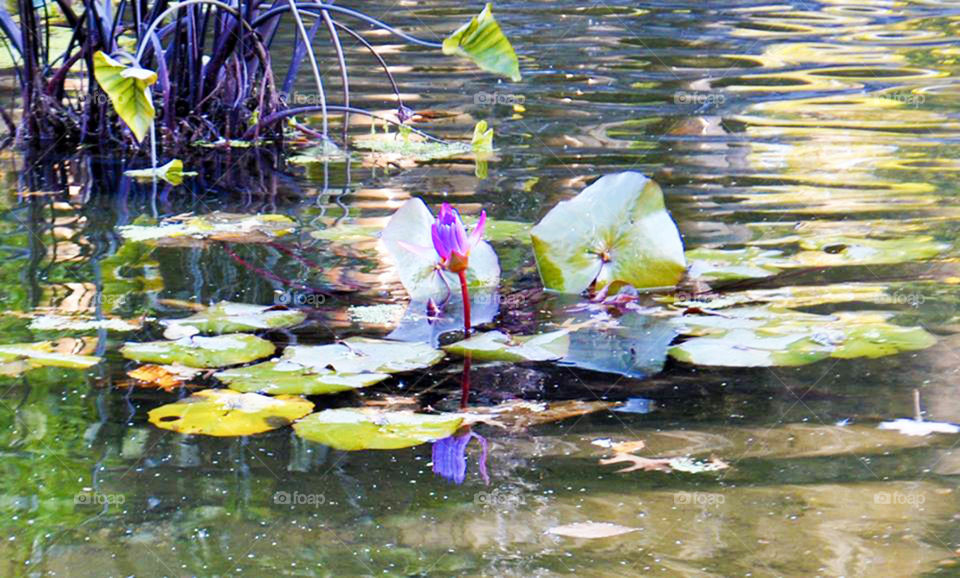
(818, 123)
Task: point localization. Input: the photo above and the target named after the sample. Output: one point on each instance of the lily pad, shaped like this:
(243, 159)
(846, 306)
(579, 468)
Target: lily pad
(77, 323)
(229, 317)
(417, 324)
(197, 351)
(590, 530)
(320, 369)
(497, 346)
(405, 144)
(225, 413)
(172, 172)
(164, 377)
(368, 429)
(129, 90)
(482, 41)
(840, 250)
(765, 337)
(17, 357)
(217, 226)
(407, 240)
(732, 264)
(616, 231)
(634, 345)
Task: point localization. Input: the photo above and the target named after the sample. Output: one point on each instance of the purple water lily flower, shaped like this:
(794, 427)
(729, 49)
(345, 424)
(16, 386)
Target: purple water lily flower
(450, 239)
(450, 459)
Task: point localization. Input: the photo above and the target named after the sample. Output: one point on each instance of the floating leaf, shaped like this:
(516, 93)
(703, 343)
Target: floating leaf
(407, 239)
(207, 352)
(417, 324)
(172, 172)
(399, 146)
(217, 226)
(829, 251)
(616, 231)
(368, 429)
(497, 346)
(482, 41)
(41, 354)
(164, 377)
(319, 369)
(71, 323)
(913, 427)
(634, 345)
(229, 317)
(667, 465)
(129, 90)
(225, 413)
(519, 414)
(590, 530)
(729, 265)
(765, 337)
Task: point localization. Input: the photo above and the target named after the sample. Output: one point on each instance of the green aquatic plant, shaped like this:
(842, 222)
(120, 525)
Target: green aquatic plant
(197, 70)
(616, 232)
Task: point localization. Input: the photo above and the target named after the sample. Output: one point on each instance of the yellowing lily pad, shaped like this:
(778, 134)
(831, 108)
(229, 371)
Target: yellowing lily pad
(18, 357)
(320, 369)
(368, 429)
(225, 413)
(229, 317)
(172, 172)
(406, 145)
(216, 226)
(497, 346)
(765, 337)
(206, 352)
(616, 231)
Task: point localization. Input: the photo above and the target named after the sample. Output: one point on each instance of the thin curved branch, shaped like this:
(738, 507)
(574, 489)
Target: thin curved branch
(308, 6)
(344, 78)
(282, 114)
(383, 63)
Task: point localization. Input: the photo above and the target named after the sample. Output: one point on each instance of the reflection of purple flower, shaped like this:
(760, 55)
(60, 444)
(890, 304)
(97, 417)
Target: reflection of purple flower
(450, 459)
(450, 238)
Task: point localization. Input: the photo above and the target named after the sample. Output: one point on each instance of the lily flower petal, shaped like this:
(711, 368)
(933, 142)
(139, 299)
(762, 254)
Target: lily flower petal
(477, 233)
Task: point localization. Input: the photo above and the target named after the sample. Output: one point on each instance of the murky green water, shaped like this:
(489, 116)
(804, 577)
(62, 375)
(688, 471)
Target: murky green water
(762, 123)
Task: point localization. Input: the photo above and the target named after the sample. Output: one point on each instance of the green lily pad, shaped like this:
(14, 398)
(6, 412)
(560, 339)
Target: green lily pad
(497, 346)
(732, 264)
(229, 317)
(129, 90)
(347, 232)
(840, 250)
(218, 351)
(320, 369)
(354, 429)
(482, 41)
(216, 226)
(172, 172)
(42, 354)
(225, 413)
(616, 231)
(411, 146)
(767, 337)
(407, 240)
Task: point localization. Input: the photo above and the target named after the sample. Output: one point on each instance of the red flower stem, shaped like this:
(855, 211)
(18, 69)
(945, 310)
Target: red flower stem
(466, 302)
(465, 383)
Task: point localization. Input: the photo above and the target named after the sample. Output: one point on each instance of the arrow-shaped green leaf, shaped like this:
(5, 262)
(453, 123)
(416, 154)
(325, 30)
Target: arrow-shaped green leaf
(129, 90)
(482, 41)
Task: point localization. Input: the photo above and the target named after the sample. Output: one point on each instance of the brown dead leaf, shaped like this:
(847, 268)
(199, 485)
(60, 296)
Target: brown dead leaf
(590, 530)
(639, 463)
(164, 377)
(519, 414)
